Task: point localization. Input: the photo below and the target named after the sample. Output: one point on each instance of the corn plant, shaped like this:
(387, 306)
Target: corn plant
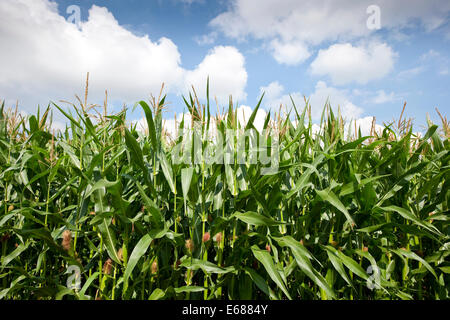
(343, 216)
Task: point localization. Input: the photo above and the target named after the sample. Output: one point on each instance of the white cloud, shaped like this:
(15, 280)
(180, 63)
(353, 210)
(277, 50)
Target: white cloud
(206, 39)
(411, 72)
(189, 2)
(437, 60)
(58, 126)
(383, 97)
(225, 67)
(314, 22)
(290, 53)
(170, 126)
(275, 96)
(338, 98)
(47, 58)
(272, 91)
(363, 124)
(244, 113)
(430, 54)
(315, 128)
(345, 63)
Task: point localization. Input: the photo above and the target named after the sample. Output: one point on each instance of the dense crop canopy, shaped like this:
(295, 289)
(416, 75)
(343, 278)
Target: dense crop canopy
(120, 212)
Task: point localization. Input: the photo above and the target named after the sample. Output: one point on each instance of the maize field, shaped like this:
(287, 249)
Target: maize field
(105, 211)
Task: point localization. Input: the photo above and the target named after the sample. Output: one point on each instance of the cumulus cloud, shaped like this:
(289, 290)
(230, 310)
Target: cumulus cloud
(365, 125)
(244, 113)
(362, 124)
(310, 23)
(383, 97)
(275, 97)
(345, 63)
(58, 126)
(322, 94)
(272, 91)
(47, 57)
(225, 67)
(44, 57)
(171, 125)
(336, 98)
(289, 53)
(206, 39)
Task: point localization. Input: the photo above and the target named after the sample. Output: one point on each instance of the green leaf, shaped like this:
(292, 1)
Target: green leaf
(412, 255)
(64, 291)
(151, 206)
(260, 282)
(410, 216)
(109, 240)
(256, 219)
(253, 115)
(206, 266)
(189, 289)
(302, 257)
(186, 178)
(6, 218)
(167, 171)
(303, 181)
(374, 228)
(139, 250)
(329, 196)
(88, 283)
(135, 150)
(157, 294)
(352, 265)
(101, 185)
(337, 264)
(15, 285)
(71, 153)
(44, 235)
(76, 123)
(445, 269)
(151, 124)
(351, 187)
(266, 259)
(17, 252)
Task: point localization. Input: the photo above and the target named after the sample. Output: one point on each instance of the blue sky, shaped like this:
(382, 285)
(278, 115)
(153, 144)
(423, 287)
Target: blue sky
(318, 49)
